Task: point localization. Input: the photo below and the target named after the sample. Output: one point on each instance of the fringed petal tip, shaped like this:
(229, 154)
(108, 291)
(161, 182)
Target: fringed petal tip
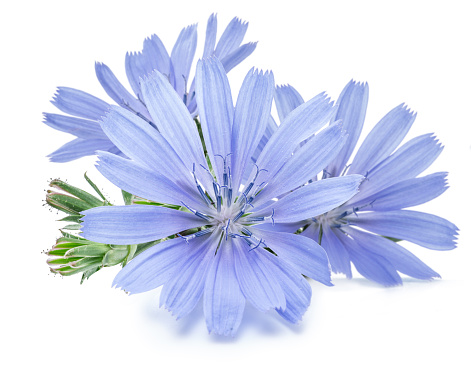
(56, 94)
(151, 37)
(148, 77)
(191, 27)
(284, 87)
(133, 53)
(361, 84)
(241, 22)
(406, 110)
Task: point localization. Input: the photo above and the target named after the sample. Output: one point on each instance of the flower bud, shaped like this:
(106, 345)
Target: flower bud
(72, 200)
(72, 254)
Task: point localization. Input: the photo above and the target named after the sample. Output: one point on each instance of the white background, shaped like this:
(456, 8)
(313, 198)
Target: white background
(416, 52)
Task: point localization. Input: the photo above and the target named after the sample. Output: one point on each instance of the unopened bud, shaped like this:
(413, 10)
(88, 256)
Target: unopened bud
(72, 254)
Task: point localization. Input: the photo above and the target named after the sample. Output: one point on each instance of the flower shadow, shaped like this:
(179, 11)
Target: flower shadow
(193, 325)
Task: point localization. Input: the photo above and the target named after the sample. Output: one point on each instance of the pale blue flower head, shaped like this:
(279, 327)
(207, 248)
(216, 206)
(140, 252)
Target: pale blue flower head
(85, 110)
(356, 231)
(232, 256)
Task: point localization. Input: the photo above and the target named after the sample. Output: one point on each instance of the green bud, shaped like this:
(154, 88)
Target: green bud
(86, 197)
(73, 200)
(72, 254)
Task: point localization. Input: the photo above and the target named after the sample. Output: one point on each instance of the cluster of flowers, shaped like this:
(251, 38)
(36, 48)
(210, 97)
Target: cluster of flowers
(225, 204)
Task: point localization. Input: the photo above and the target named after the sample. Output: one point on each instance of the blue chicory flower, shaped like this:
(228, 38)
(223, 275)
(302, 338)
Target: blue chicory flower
(229, 259)
(356, 231)
(86, 111)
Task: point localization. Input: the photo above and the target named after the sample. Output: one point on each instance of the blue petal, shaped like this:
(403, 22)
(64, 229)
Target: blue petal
(296, 289)
(173, 119)
(79, 148)
(157, 56)
(213, 95)
(117, 91)
(142, 143)
(236, 57)
(314, 199)
(383, 139)
(153, 267)
(257, 278)
(250, 119)
(83, 128)
(135, 67)
(135, 224)
(299, 125)
(424, 229)
(351, 112)
(306, 256)
(231, 38)
(182, 56)
(269, 131)
(306, 163)
(211, 32)
(407, 193)
(144, 182)
(402, 260)
(408, 161)
(370, 265)
(79, 103)
(154, 56)
(223, 302)
(184, 289)
(287, 99)
(338, 256)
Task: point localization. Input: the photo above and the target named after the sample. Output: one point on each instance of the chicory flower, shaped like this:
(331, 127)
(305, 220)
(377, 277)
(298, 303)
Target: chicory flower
(217, 247)
(365, 230)
(86, 110)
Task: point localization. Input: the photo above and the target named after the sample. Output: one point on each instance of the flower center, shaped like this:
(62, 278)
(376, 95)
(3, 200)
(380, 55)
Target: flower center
(229, 215)
(338, 217)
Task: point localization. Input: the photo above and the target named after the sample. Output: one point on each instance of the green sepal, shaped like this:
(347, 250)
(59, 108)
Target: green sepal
(68, 235)
(173, 207)
(72, 227)
(76, 240)
(93, 250)
(73, 218)
(97, 190)
(127, 197)
(69, 270)
(85, 262)
(86, 274)
(392, 239)
(321, 233)
(68, 245)
(61, 261)
(58, 252)
(131, 253)
(114, 257)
